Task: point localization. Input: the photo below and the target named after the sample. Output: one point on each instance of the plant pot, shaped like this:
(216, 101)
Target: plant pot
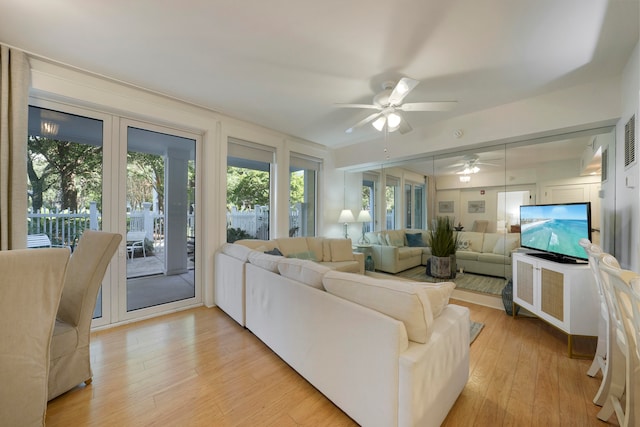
(443, 267)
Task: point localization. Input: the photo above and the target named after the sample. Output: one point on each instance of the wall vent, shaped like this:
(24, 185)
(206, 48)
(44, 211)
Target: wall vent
(630, 141)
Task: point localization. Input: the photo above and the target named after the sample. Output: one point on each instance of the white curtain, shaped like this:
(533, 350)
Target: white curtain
(14, 104)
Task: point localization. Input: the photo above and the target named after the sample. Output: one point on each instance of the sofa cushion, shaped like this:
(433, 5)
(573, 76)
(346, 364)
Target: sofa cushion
(407, 252)
(240, 252)
(395, 238)
(336, 250)
(402, 300)
(372, 237)
(470, 241)
(492, 258)
(467, 255)
(304, 255)
(292, 245)
(490, 240)
(438, 294)
(506, 244)
(266, 261)
(307, 272)
(257, 244)
(415, 240)
(315, 246)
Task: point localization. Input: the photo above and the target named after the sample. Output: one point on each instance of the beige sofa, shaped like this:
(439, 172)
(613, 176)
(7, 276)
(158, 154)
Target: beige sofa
(483, 253)
(486, 253)
(231, 260)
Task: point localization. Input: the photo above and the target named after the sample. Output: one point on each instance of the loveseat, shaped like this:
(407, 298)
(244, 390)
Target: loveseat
(483, 253)
(230, 263)
(387, 352)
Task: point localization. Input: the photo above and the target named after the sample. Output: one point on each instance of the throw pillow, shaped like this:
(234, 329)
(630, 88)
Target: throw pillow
(402, 300)
(307, 272)
(341, 250)
(438, 295)
(395, 238)
(315, 245)
(274, 251)
(415, 240)
(292, 245)
(463, 245)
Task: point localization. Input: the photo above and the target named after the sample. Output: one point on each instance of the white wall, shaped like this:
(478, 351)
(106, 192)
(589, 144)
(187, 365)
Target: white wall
(627, 197)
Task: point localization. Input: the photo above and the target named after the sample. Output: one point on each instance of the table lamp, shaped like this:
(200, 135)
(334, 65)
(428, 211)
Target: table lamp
(364, 216)
(346, 216)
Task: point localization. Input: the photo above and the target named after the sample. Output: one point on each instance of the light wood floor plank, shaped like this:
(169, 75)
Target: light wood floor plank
(200, 368)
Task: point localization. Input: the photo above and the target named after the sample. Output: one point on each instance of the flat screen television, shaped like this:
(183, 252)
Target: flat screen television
(555, 230)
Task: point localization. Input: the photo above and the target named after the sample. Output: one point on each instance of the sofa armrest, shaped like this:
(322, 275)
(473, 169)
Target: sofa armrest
(360, 258)
(385, 257)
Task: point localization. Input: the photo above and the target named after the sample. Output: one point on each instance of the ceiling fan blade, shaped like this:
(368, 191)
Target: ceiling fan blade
(402, 89)
(368, 106)
(428, 106)
(363, 122)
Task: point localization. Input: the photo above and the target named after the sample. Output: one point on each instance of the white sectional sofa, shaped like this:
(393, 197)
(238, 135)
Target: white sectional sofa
(482, 253)
(230, 263)
(387, 352)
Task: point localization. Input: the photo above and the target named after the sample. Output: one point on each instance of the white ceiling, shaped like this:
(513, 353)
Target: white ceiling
(284, 63)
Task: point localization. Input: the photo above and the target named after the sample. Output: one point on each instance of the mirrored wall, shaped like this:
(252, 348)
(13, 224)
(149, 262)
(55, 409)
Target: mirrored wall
(482, 189)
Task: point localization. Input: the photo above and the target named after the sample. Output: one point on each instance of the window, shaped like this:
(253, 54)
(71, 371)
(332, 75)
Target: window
(391, 194)
(248, 190)
(369, 200)
(64, 171)
(303, 175)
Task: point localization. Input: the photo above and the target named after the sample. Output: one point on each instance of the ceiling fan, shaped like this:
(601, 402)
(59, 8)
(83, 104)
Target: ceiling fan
(389, 106)
(470, 164)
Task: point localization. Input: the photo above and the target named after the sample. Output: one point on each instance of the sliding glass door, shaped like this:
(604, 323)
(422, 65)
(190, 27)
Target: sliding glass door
(159, 211)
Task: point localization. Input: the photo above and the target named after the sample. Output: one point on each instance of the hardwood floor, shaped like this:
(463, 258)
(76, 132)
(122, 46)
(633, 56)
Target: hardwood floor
(200, 368)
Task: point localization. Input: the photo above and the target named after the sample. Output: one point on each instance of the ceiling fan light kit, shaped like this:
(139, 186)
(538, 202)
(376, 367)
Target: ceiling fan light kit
(389, 105)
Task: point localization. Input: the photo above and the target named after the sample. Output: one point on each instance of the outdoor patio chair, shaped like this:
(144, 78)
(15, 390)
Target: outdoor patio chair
(70, 364)
(135, 240)
(31, 284)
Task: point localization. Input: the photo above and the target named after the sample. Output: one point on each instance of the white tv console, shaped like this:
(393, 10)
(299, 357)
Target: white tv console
(563, 295)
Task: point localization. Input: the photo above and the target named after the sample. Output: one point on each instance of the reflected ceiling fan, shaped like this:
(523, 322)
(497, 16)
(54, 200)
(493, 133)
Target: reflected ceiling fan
(389, 106)
(470, 164)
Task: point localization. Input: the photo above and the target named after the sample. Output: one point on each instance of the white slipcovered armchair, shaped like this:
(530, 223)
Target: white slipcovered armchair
(70, 364)
(30, 287)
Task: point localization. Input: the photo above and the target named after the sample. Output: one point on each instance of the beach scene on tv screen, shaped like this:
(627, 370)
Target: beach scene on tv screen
(555, 228)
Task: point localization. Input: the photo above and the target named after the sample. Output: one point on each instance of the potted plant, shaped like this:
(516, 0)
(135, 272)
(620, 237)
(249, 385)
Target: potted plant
(443, 241)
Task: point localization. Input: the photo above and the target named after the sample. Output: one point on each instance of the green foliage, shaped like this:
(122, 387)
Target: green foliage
(63, 173)
(145, 173)
(296, 190)
(247, 187)
(234, 234)
(442, 238)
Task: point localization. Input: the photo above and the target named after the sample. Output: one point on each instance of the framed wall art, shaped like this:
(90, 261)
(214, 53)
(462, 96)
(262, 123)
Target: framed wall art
(445, 207)
(476, 206)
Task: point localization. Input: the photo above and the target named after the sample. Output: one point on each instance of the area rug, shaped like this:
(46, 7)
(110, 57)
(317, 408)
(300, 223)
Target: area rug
(476, 327)
(465, 281)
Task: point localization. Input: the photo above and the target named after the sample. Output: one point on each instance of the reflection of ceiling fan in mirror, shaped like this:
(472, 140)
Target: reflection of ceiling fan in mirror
(389, 106)
(470, 164)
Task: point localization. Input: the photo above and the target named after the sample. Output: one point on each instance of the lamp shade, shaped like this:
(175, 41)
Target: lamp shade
(364, 216)
(346, 216)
